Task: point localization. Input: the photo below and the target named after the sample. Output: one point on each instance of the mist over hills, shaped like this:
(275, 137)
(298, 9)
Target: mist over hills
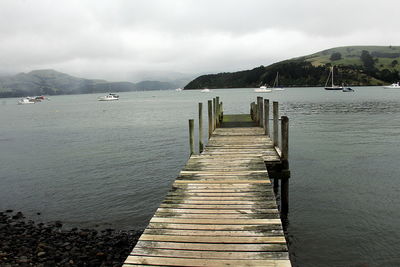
(51, 82)
(354, 65)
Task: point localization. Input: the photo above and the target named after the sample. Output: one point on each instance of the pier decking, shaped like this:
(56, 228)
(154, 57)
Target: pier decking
(221, 209)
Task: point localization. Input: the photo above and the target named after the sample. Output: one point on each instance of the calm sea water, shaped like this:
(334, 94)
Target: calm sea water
(110, 164)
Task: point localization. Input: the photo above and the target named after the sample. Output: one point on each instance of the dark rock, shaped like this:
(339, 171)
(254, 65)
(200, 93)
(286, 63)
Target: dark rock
(24, 243)
(18, 216)
(9, 211)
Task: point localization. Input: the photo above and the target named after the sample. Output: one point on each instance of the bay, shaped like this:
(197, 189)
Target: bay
(110, 164)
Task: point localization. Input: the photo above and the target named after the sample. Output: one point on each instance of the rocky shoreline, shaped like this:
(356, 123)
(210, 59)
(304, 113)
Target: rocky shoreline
(25, 243)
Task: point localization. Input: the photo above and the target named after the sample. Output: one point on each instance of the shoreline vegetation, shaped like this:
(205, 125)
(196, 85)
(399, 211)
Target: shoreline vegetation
(26, 243)
(353, 66)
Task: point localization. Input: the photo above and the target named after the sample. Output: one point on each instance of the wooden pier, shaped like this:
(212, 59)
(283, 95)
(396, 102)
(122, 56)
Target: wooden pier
(221, 209)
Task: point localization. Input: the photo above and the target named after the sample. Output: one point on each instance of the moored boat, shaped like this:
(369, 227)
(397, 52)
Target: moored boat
(26, 100)
(392, 86)
(262, 90)
(109, 97)
(347, 89)
(333, 86)
(205, 90)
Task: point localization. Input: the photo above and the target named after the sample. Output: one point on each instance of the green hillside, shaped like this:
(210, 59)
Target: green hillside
(354, 65)
(351, 55)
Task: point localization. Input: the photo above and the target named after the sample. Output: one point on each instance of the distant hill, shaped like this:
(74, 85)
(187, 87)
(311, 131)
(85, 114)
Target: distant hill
(51, 82)
(354, 65)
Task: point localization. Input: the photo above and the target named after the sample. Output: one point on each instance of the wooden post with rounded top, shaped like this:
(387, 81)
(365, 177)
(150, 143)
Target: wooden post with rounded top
(191, 136)
(260, 111)
(266, 116)
(275, 111)
(200, 127)
(210, 123)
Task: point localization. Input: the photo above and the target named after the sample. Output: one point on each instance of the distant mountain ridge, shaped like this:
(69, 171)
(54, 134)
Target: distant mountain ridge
(51, 82)
(354, 65)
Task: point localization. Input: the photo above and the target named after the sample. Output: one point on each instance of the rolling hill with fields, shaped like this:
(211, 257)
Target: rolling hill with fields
(354, 65)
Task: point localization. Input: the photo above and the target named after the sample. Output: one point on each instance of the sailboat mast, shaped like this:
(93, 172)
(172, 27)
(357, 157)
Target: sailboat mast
(332, 75)
(277, 79)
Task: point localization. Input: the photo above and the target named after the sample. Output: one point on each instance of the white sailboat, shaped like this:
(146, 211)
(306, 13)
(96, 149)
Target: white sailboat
(333, 86)
(276, 86)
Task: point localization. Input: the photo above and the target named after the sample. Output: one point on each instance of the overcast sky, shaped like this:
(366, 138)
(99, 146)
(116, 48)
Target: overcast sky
(123, 39)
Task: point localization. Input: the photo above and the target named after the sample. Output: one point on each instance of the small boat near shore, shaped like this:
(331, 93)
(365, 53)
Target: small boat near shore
(26, 100)
(205, 90)
(347, 89)
(109, 97)
(392, 86)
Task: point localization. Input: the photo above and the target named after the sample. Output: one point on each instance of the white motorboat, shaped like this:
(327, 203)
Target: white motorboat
(109, 97)
(332, 87)
(26, 100)
(205, 90)
(262, 90)
(392, 86)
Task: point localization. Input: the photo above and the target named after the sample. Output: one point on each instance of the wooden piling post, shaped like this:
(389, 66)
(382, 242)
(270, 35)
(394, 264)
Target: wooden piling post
(214, 114)
(285, 164)
(275, 111)
(200, 127)
(285, 142)
(256, 113)
(191, 136)
(260, 111)
(221, 112)
(217, 111)
(210, 125)
(252, 111)
(266, 116)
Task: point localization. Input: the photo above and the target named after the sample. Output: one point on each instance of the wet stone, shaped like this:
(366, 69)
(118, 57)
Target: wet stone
(25, 243)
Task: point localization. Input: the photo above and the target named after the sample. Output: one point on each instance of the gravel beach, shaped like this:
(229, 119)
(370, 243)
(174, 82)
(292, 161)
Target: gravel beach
(26, 243)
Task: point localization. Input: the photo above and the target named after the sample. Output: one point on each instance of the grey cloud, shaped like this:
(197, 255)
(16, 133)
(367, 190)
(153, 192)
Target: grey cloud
(113, 39)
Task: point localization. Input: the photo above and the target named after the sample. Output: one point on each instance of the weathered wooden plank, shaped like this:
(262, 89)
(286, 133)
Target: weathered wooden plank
(216, 227)
(213, 239)
(212, 232)
(254, 196)
(165, 261)
(236, 255)
(216, 202)
(219, 211)
(216, 206)
(217, 216)
(225, 181)
(225, 172)
(215, 187)
(216, 221)
(213, 247)
(218, 195)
